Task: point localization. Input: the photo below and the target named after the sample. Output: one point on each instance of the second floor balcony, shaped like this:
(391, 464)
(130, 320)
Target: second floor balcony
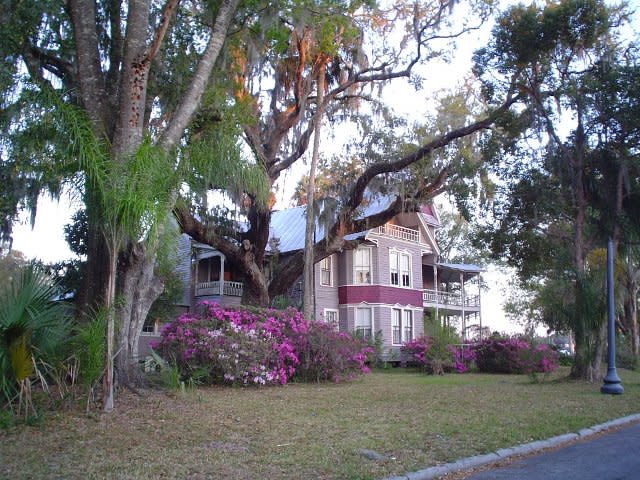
(448, 299)
(399, 232)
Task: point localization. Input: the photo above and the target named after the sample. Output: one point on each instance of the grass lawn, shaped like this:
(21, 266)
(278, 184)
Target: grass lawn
(308, 431)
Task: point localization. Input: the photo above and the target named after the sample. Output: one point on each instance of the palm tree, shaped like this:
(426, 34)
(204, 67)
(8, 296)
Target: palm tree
(33, 328)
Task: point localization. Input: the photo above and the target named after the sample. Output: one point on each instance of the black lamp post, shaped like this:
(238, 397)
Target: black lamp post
(612, 383)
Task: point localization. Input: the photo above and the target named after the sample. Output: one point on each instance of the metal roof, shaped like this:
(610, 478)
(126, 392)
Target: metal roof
(288, 226)
(451, 271)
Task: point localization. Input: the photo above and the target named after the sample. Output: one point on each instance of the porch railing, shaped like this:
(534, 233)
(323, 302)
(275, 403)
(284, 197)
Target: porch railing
(232, 289)
(401, 233)
(431, 297)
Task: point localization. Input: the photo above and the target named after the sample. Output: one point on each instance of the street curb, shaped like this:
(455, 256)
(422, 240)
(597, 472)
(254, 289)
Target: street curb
(525, 448)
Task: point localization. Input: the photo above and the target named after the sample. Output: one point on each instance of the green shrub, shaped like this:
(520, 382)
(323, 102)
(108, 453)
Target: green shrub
(34, 330)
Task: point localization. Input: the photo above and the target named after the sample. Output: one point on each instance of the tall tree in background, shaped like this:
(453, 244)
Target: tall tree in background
(564, 158)
(286, 118)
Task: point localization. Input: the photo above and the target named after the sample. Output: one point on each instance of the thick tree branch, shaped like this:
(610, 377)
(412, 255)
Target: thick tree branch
(38, 58)
(161, 30)
(89, 73)
(190, 225)
(355, 196)
(193, 96)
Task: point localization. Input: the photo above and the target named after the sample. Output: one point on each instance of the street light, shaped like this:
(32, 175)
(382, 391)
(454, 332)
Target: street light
(612, 384)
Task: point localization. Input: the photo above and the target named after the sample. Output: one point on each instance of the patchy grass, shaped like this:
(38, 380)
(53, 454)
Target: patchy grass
(308, 431)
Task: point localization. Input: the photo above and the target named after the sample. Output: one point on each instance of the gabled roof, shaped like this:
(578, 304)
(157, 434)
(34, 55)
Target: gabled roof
(430, 215)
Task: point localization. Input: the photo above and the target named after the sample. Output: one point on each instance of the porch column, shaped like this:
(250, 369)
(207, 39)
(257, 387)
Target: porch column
(435, 283)
(194, 278)
(464, 317)
(480, 302)
(221, 275)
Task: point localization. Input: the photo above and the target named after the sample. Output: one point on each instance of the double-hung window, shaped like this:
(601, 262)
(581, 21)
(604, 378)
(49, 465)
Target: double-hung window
(331, 317)
(401, 326)
(400, 268)
(408, 325)
(396, 325)
(364, 322)
(325, 271)
(362, 265)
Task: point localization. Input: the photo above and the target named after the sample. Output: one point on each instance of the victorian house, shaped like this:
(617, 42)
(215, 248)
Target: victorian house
(389, 284)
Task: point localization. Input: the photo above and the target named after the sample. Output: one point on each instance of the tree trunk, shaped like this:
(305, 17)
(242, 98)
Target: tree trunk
(138, 288)
(96, 269)
(631, 319)
(308, 301)
(110, 295)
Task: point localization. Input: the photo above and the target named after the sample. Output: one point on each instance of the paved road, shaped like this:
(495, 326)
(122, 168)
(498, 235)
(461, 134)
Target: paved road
(612, 456)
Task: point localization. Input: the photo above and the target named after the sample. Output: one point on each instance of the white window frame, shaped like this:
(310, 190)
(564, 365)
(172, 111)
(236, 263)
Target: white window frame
(400, 274)
(357, 327)
(402, 326)
(362, 267)
(396, 326)
(326, 265)
(330, 312)
(408, 331)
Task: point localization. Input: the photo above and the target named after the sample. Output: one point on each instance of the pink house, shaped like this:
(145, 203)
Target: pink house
(387, 285)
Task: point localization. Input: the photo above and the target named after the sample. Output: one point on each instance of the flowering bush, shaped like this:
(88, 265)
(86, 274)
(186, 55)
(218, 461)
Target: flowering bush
(514, 355)
(463, 357)
(251, 346)
(539, 359)
(429, 354)
(417, 349)
(325, 354)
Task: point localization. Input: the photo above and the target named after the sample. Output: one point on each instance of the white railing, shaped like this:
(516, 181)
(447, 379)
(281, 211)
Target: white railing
(402, 233)
(232, 289)
(433, 297)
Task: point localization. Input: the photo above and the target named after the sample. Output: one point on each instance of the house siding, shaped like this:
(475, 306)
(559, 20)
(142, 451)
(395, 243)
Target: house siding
(183, 269)
(326, 296)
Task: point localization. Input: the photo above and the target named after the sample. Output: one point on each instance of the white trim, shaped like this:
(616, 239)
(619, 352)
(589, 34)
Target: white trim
(434, 243)
(415, 308)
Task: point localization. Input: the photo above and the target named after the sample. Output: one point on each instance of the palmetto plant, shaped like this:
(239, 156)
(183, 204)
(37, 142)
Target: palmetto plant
(33, 329)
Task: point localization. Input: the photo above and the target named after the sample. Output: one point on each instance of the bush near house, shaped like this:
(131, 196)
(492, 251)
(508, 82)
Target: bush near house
(251, 346)
(437, 358)
(514, 355)
(493, 355)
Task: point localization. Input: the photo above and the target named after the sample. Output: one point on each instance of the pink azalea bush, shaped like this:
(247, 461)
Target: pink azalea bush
(463, 358)
(251, 346)
(514, 355)
(429, 355)
(417, 349)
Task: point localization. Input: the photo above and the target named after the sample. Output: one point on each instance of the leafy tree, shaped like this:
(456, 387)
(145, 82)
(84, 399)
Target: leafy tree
(102, 93)
(563, 157)
(285, 116)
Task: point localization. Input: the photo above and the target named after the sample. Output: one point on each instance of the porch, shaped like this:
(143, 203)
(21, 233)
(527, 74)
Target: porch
(431, 298)
(219, 288)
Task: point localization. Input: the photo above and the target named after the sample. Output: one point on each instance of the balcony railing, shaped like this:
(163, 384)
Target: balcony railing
(432, 297)
(401, 233)
(231, 289)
